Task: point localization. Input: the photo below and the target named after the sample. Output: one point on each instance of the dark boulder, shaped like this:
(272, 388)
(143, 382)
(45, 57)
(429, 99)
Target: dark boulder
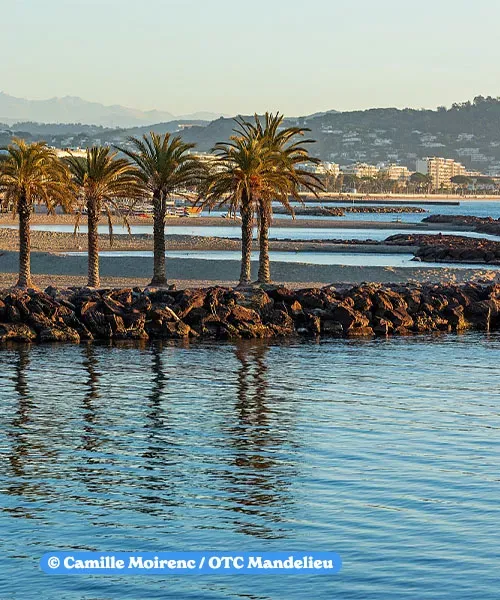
(58, 334)
(16, 332)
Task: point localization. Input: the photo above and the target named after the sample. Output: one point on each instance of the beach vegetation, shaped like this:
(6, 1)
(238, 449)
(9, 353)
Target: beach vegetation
(103, 182)
(166, 168)
(31, 174)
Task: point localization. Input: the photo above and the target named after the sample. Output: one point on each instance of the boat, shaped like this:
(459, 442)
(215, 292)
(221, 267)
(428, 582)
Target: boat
(191, 211)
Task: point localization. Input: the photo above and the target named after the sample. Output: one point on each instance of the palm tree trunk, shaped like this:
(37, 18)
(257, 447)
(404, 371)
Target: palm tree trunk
(246, 244)
(264, 266)
(159, 211)
(24, 210)
(93, 214)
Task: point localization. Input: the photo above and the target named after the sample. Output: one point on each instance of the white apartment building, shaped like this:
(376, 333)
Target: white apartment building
(441, 170)
(396, 172)
(323, 168)
(78, 152)
(361, 170)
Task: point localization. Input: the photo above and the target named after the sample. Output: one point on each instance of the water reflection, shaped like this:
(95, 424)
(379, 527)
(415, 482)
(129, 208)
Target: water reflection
(22, 417)
(258, 478)
(90, 436)
(23, 447)
(156, 488)
(253, 446)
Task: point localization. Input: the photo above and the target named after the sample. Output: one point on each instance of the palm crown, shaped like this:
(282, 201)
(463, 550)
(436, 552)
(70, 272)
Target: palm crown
(288, 154)
(32, 172)
(108, 181)
(165, 167)
(29, 174)
(165, 163)
(242, 174)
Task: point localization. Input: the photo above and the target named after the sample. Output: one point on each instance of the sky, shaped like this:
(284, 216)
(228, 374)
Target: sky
(236, 57)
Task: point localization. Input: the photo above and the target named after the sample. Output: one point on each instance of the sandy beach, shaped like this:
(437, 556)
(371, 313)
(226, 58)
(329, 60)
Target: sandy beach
(50, 241)
(173, 222)
(55, 269)
(51, 266)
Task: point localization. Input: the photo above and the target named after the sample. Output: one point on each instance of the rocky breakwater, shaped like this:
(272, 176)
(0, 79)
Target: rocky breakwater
(335, 211)
(75, 315)
(450, 248)
(479, 224)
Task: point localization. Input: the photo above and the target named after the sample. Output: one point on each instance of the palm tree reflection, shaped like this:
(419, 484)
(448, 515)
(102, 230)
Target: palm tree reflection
(23, 442)
(20, 446)
(156, 491)
(155, 412)
(259, 477)
(90, 436)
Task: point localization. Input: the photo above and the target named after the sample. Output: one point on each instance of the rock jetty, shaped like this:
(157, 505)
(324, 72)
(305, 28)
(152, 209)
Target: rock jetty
(450, 248)
(337, 211)
(479, 224)
(82, 314)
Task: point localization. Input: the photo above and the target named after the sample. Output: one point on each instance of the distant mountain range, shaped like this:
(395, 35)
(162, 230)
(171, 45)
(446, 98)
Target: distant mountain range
(71, 109)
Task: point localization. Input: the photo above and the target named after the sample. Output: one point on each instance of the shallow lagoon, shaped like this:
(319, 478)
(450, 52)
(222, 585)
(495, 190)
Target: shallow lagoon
(366, 259)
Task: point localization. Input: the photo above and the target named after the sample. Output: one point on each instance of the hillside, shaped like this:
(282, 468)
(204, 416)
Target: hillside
(468, 132)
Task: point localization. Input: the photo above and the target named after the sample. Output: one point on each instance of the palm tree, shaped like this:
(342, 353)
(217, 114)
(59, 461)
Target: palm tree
(166, 167)
(242, 173)
(288, 156)
(30, 174)
(102, 180)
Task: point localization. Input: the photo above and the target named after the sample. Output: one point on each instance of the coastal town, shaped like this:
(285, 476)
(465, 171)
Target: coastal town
(432, 175)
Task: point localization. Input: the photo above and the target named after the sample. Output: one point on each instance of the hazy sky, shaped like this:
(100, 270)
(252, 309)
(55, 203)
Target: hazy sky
(241, 57)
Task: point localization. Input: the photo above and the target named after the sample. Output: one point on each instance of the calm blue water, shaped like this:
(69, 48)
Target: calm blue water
(476, 208)
(279, 233)
(313, 258)
(466, 207)
(385, 451)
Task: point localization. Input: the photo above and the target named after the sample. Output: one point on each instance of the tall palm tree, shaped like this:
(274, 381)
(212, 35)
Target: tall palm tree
(31, 174)
(166, 167)
(289, 157)
(239, 177)
(103, 180)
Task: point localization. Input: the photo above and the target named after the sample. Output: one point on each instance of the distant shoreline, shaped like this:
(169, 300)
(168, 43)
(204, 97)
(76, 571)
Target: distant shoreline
(443, 199)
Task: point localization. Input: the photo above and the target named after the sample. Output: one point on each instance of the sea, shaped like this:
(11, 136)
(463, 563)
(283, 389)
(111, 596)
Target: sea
(385, 451)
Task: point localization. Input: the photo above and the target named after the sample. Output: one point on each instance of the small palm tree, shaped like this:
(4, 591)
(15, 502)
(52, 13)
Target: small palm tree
(166, 167)
(103, 180)
(288, 156)
(32, 174)
(242, 174)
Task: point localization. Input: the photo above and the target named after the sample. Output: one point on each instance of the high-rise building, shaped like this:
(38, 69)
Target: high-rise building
(441, 170)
